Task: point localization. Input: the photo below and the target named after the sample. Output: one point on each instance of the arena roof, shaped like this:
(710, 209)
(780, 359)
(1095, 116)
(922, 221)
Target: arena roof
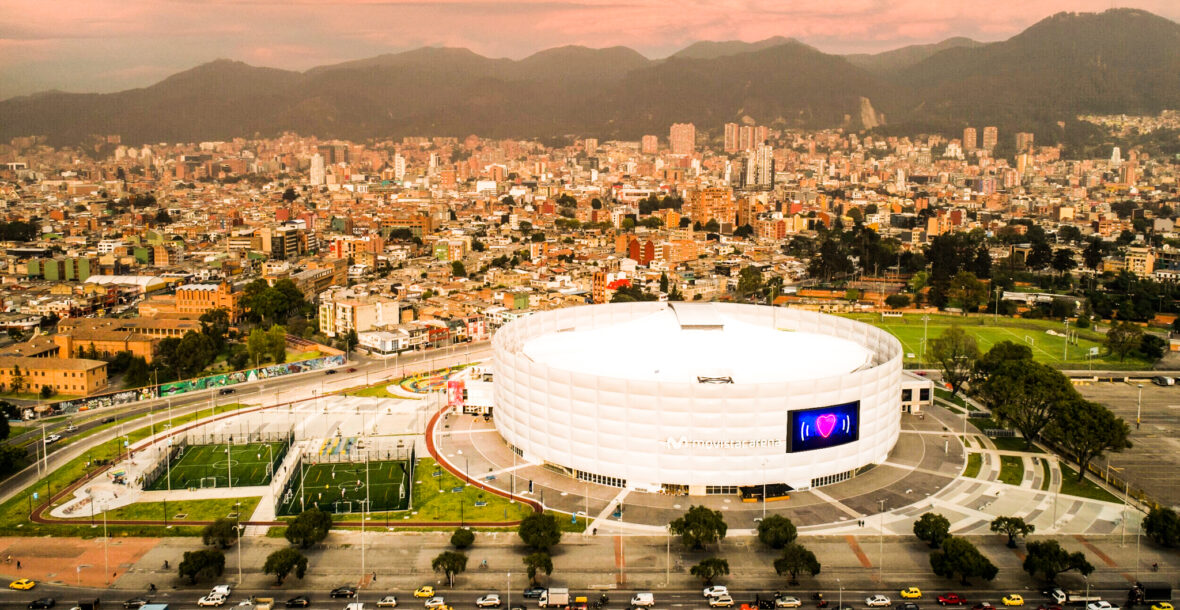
(686, 344)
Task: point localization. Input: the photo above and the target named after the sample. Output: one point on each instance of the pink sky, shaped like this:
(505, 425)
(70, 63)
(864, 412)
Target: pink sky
(108, 45)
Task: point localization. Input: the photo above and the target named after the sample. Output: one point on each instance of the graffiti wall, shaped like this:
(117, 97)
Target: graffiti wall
(193, 385)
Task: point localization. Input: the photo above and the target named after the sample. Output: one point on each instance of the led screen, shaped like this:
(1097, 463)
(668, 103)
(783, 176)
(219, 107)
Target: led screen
(823, 427)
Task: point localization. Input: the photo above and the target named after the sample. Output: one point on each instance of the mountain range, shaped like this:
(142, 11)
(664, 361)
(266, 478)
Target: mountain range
(1118, 61)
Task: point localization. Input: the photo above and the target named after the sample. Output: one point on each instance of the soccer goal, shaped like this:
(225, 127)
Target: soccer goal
(207, 482)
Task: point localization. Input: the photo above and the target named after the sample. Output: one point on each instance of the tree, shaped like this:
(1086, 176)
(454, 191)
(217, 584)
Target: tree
(968, 291)
(897, 301)
(281, 562)
(221, 533)
(450, 563)
(709, 569)
(1026, 395)
(699, 526)
(1047, 559)
(310, 527)
(1039, 256)
(16, 335)
(777, 531)
(18, 379)
(540, 531)
(664, 282)
(1092, 255)
(462, 538)
(290, 195)
(538, 561)
(958, 557)
(1063, 260)
(712, 226)
(163, 217)
(1162, 525)
(749, 280)
(1004, 351)
(207, 563)
(458, 269)
(263, 345)
(955, 352)
(350, 340)
(1013, 527)
(795, 559)
(11, 458)
(215, 324)
(5, 428)
(1087, 430)
(1123, 338)
(1152, 346)
(46, 391)
(932, 528)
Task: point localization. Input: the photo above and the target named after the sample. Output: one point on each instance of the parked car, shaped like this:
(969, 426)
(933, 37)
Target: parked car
(906, 606)
(1050, 607)
(491, 600)
(44, 602)
(952, 599)
(1012, 599)
(787, 601)
(1101, 605)
(389, 601)
(213, 599)
(299, 601)
(343, 592)
(226, 391)
(107, 420)
(983, 606)
(352, 369)
(330, 372)
(715, 591)
(533, 592)
(136, 602)
(1164, 381)
(877, 601)
(721, 601)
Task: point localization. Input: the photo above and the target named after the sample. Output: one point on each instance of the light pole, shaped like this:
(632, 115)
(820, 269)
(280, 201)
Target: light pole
(764, 489)
(1139, 408)
(925, 329)
(881, 543)
(1125, 499)
(1065, 346)
(106, 562)
(238, 530)
(840, 599)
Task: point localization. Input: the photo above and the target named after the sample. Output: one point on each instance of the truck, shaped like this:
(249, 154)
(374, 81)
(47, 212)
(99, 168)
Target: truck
(1072, 597)
(88, 604)
(554, 597)
(154, 607)
(1149, 592)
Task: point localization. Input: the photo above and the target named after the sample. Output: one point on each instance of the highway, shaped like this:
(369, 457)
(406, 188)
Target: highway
(367, 371)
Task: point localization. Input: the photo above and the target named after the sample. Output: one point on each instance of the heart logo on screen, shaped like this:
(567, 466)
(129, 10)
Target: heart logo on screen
(825, 423)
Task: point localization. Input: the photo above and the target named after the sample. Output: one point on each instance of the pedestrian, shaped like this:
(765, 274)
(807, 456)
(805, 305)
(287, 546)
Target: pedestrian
(374, 577)
(18, 564)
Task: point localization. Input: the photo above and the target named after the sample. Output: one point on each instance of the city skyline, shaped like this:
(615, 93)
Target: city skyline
(104, 46)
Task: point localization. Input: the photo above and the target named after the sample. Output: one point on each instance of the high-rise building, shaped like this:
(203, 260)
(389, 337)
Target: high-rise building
(649, 145)
(731, 137)
(970, 139)
(399, 167)
(713, 204)
(1024, 141)
(591, 145)
(746, 137)
(316, 174)
(1116, 157)
(991, 136)
(759, 173)
(682, 137)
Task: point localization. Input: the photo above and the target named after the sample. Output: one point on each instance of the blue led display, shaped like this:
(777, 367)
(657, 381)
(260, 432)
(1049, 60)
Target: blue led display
(824, 427)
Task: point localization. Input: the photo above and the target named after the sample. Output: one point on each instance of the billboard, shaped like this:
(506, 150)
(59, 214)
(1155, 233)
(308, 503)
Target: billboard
(823, 427)
(455, 393)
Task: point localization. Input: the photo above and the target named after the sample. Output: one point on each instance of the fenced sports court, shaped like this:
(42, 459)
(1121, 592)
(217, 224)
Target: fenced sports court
(375, 479)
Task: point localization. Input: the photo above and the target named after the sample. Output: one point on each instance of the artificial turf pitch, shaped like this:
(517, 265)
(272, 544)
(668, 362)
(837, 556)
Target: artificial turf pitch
(340, 487)
(206, 466)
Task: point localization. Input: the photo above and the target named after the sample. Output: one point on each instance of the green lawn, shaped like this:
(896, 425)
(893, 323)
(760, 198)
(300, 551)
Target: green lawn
(1086, 489)
(193, 510)
(1047, 473)
(957, 399)
(293, 356)
(1015, 443)
(431, 504)
(377, 390)
(343, 487)
(1011, 469)
(988, 331)
(974, 464)
(36, 396)
(207, 466)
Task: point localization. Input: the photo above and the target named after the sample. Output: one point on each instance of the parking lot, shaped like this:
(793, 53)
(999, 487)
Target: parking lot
(1152, 462)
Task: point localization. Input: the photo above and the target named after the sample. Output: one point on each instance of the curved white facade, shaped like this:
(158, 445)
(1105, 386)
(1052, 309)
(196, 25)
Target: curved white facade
(696, 394)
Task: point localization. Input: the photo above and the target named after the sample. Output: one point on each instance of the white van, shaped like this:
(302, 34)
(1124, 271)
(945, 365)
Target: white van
(646, 600)
(355, 606)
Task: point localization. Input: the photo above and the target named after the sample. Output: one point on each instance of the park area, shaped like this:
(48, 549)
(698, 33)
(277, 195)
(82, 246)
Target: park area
(200, 466)
(1046, 338)
(344, 487)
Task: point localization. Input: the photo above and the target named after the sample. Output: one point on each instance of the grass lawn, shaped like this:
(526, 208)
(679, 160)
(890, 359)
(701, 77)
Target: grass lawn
(207, 466)
(431, 504)
(37, 396)
(1086, 489)
(1011, 469)
(974, 464)
(194, 510)
(293, 356)
(957, 399)
(1046, 473)
(1015, 443)
(341, 487)
(377, 390)
(15, 430)
(1049, 349)
(984, 423)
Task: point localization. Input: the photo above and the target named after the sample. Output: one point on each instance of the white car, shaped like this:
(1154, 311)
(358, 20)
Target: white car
(491, 600)
(1101, 605)
(877, 601)
(52, 438)
(645, 600)
(389, 601)
(436, 602)
(222, 590)
(721, 601)
(787, 601)
(213, 599)
(715, 591)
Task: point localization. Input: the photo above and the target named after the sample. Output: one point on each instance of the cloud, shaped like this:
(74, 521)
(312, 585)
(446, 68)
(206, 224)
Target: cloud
(101, 44)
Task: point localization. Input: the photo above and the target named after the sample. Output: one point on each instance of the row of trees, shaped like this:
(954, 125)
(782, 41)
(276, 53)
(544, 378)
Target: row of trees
(307, 529)
(957, 557)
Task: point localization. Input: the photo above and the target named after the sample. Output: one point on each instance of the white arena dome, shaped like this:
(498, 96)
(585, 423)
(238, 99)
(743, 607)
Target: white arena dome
(697, 397)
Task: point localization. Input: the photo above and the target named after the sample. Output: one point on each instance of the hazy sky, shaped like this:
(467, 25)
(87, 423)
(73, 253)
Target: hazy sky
(108, 45)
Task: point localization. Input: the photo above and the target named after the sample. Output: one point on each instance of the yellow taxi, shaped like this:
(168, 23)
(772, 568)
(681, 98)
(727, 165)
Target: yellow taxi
(424, 591)
(1013, 599)
(23, 584)
(1162, 606)
(911, 593)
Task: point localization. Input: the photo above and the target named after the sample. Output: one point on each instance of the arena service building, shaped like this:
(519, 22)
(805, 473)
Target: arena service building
(699, 398)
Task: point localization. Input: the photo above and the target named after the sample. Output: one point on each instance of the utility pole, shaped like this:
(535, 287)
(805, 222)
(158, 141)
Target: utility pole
(881, 545)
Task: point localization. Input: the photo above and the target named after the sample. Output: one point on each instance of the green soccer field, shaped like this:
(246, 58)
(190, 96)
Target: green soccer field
(1048, 348)
(341, 487)
(207, 466)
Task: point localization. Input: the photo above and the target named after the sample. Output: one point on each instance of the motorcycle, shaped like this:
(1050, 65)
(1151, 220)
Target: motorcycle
(817, 596)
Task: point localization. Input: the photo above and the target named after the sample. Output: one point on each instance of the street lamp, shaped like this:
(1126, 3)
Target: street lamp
(881, 544)
(238, 530)
(1139, 408)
